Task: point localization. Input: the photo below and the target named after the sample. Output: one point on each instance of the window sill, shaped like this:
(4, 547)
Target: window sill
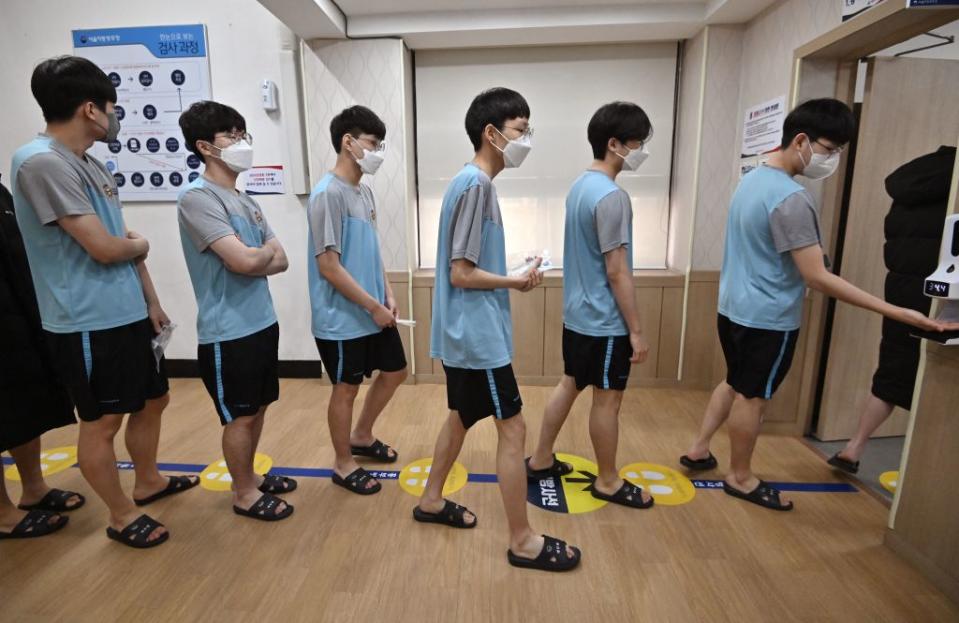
(655, 278)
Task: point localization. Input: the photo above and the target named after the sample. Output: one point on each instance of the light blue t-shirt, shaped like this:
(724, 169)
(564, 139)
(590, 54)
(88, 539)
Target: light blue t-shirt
(599, 219)
(229, 305)
(74, 292)
(759, 285)
(342, 218)
(471, 329)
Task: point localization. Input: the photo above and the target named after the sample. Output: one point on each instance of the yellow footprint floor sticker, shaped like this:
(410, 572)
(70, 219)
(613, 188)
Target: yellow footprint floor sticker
(665, 484)
(216, 477)
(889, 481)
(570, 494)
(413, 477)
(52, 461)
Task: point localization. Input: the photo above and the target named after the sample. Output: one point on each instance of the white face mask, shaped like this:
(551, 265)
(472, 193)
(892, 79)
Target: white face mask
(820, 166)
(238, 156)
(634, 159)
(515, 151)
(371, 160)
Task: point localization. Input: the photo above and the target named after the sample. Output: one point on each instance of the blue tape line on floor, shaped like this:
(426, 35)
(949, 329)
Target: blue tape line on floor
(314, 472)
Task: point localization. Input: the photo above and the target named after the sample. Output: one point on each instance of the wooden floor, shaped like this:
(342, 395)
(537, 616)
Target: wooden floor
(343, 557)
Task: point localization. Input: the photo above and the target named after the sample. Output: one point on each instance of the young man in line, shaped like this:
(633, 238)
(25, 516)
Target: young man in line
(472, 329)
(602, 334)
(773, 253)
(353, 307)
(230, 250)
(97, 303)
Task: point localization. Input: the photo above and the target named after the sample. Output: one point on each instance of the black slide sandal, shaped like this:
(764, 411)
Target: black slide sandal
(850, 467)
(377, 450)
(175, 484)
(552, 557)
(557, 470)
(55, 501)
(628, 495)
(135, 535)
(264, 509)
(699, 465)
(356, 482)
(452, 515)
(277, 484)
(35, 524)
(763, 495)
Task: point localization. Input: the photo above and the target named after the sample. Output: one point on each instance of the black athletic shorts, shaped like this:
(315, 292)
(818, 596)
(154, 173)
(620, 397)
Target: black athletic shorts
(477, 394)
(599, 361)
(109, 371)
(351, 360)
(757, 360)
(241, 375)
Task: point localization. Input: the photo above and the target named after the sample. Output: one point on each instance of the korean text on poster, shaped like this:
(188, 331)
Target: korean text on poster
(158, 71)
(763, 127)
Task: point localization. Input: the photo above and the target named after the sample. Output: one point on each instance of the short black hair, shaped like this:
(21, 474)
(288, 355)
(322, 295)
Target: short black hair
(203, 120)
(354, 121)
(494, 106)
(61, 84)
(826, 118)
(623, 121)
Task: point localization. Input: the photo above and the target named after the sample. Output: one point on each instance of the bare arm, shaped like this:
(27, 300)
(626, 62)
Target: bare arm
(279, 263)
(621, 283)
(155, 311)
(465, 274)
(241, 259)
(89, 232)
(809, 260)
(332, 270)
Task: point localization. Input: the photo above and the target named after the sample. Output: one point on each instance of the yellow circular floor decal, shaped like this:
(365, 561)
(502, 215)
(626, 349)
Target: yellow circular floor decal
(216, 477)
(51, 461)
(572, 493)
(889, 481)
(666, 485)
(413, 477)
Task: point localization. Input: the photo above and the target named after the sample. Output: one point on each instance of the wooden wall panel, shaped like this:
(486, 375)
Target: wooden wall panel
(670, 333)
(422, 312)
(528, 311)
(553, 333)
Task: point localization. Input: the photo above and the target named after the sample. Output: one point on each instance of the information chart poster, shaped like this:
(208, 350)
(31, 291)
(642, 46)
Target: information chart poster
(158, 72)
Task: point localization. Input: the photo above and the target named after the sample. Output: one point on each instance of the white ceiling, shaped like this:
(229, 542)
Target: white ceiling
(425, 24)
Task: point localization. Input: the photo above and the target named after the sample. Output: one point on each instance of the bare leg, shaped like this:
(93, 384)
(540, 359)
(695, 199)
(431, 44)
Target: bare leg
(604, 433)
(447, 448)
(27, 458)
(874, 413)
(98, 466)
(717, 411)
(557, 410)
(142, 440)
(377, 397)
(745, 420)
(511, 474)
(238, 450)
(340, 418)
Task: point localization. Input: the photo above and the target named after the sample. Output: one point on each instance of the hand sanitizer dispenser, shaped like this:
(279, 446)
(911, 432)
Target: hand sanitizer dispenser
(944, 283)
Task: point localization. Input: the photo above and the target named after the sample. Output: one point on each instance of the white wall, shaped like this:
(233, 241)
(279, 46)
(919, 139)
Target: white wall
(339, 74)
(245, 48)
(763, 70)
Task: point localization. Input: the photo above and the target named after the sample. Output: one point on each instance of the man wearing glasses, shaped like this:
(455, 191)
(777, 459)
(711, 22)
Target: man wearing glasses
(353, 308)
(230, 250)
(773, 253)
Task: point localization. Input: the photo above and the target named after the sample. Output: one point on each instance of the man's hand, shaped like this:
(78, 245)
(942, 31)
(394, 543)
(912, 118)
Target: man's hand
(531, 278)
(158, 317)
(391, 305)
(132, 235)
(640, 348)
(916, 319)
(383, 316)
